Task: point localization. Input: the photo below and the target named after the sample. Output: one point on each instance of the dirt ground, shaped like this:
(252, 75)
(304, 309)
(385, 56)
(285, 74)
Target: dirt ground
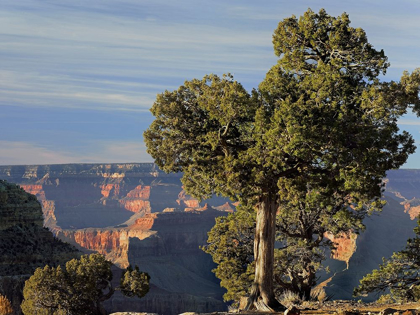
(345, 308)
(329, 308)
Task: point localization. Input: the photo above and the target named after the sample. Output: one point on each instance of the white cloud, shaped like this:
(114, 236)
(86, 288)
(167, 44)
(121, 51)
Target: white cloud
(108, 55)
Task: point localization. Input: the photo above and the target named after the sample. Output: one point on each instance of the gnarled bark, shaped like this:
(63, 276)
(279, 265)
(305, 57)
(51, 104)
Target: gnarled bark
(262, 294)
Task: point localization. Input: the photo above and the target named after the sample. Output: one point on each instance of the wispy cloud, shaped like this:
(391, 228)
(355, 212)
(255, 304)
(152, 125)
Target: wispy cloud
(18, 153)
(58, 53)
(122, 151)
(105, 60)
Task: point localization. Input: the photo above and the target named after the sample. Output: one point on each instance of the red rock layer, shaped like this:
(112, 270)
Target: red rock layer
(414, 212)
(48, 206)
(225, 207)
(35, 190)
(110, 190)
(48, 209)
(137, 200)
(146, 222)
(345, 246)
(205, 208)
(110, 242)
(187, 201)
(142, 192)
(136, 205)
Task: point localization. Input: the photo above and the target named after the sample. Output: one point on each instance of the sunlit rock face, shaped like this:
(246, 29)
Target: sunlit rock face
(83, 196)
(179, 270)
(344, 246)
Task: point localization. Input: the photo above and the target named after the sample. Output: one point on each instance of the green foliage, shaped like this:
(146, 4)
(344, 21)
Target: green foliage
(134, 282)
(201, 129)
(78, 289)
(230, 243)
(315, 139)
(399, 274)
(46, 292)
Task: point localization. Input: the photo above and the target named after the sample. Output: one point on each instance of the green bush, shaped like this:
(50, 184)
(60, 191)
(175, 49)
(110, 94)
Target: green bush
(80, 288)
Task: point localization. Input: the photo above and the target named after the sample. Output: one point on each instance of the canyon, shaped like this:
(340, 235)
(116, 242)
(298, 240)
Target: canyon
(135, 214)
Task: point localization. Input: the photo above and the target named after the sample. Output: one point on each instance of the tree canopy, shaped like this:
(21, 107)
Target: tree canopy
(80, 288)
(318, 134)
(399, 274)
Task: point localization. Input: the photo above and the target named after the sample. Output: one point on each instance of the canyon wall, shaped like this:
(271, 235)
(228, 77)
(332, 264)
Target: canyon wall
(133, 214)
(136, 214)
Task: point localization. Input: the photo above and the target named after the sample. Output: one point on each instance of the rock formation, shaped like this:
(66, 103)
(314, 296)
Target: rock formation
(345, 246)
(412, 207)
(136, 214)
(133, 214)
(180, 272)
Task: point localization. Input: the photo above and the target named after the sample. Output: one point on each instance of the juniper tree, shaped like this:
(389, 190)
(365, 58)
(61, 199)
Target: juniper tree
(79, 288)
(301, 249)
(321, 126)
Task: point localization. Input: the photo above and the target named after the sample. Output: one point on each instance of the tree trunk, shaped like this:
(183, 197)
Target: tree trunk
(262, 294)
(306, 292)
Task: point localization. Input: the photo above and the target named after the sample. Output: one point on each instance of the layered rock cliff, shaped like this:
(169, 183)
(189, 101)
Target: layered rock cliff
(136, 214)
(123, 211)
(111, 242)
(180, 271)
(345, 246)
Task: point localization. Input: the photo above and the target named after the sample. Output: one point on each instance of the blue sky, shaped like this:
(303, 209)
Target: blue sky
(77, 78)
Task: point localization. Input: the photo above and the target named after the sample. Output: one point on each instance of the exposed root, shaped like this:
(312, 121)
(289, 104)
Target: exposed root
(256, 302)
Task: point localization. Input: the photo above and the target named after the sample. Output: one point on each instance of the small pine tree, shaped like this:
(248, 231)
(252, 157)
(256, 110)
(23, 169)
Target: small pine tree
(134, 282)
(5, 306)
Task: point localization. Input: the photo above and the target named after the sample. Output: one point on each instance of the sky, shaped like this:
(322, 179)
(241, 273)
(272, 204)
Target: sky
(77, 77)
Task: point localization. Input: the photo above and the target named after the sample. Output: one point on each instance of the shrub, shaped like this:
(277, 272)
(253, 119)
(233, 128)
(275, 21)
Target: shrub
(5, 306)
(78, 289)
